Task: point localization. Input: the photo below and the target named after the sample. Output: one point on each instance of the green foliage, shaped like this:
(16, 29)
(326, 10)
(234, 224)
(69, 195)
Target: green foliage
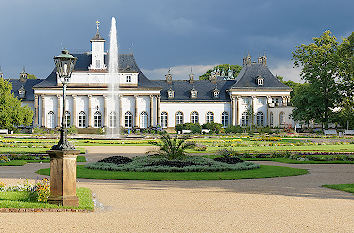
(11, 112)
(234, 129)
(343, 187)
(173, 148)
(235, 68)
(195, 128)
(320, 61)
(72, 130)
(213, 127)
(31, 76)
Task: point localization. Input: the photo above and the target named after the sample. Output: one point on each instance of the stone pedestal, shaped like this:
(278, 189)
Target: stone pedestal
(63, 177)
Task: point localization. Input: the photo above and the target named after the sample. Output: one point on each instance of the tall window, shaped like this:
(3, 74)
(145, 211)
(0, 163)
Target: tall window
(143, 120)
(98, 64)
(129, 79)
(112, 120)
(271, 119)
(97, 119)
(281, 118)
(225, 119)
(260, 118)
(128, 120)
(244, 119)
(82, 119)
(195, 117)
(67, 120)
(179, 118)
(164, 121)
(210, 117)
(51, 120)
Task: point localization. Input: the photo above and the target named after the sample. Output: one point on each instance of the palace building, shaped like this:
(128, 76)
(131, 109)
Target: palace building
(255, 96)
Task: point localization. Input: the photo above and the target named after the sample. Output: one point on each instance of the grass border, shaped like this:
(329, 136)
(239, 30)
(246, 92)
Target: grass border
(265, 171)
(79, 159)
(342, 187)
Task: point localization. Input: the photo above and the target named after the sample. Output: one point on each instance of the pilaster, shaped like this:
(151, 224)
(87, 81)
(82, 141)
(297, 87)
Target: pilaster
(36, 110)
(136, 114)
(43, 111)
(58, 110)
(89, 111)
(151, 110)
(105, 114)
(158, 110)
(74, 110)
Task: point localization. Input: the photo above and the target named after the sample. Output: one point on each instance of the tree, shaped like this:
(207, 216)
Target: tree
(11, 112)
(319, 62)
(31, 76)
(235, 68)
(346, 85)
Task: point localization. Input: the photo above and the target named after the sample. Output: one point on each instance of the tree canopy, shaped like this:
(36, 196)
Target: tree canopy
(11, 112)
(320, 62)
(31, 76)
(235, 68)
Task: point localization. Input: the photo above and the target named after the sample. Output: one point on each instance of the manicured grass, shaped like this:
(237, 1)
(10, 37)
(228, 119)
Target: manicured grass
(21, 200)
(329, 148)
(21, 150)
(343, 187)
(286, 160)
(79, 158)
(264, 171)
(14, 163)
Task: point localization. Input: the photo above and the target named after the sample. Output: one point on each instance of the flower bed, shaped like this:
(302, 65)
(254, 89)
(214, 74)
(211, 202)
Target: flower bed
(159, 164)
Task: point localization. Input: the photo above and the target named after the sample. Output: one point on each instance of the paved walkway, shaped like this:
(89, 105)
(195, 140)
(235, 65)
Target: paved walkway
(285, 204)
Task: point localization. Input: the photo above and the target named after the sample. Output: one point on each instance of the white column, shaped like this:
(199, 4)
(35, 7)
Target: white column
(74, 111)
(136, 113)
(36, 110)
(151, 110)
(89, 111)
(58, 110)
(43, 111)
(105, 114)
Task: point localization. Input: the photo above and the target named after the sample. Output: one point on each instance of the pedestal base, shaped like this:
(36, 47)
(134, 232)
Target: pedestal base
(63, 177)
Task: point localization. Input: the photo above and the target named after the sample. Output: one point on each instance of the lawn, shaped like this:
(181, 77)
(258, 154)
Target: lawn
(20, 199)
(264, 171)
(328, 148)
(343, 187)
(286, 160)
(25, 150)
(79, 158)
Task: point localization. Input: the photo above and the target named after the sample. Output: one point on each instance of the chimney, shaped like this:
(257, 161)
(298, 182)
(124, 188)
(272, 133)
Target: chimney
(191, 76)
(169, 77)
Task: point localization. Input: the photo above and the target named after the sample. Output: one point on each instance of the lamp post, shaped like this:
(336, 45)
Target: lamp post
(65, 64)
(63, 155)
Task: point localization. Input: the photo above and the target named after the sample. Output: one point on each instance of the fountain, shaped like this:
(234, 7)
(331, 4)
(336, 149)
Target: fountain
(113, 84)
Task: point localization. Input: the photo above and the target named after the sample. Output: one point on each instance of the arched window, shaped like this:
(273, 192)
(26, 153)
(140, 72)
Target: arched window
(67, 120)
(210, 117)
(271, 119)
(97, 119)
(179, 118)
(82, 119)
(225, 119)
(164, 121)
(281, 118)
(260, 118)
(51, 120)
(195, 117)
(143, 120)
(244, 119)
(128, 120)
(112, 120)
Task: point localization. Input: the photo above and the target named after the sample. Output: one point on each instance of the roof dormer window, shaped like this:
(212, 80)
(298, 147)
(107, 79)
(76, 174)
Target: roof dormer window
(171, 93)
(260, 81)
(21, 92)
(194, 93)
(216, 93)
(128, 79)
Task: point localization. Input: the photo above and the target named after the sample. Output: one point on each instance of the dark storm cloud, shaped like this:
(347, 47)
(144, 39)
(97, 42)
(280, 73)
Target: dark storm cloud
(164, 33)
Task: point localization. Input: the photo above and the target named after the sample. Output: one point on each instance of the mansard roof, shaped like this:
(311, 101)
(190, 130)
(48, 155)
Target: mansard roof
(28, 87)
(205, 88)
(246, 79)
(127, 64)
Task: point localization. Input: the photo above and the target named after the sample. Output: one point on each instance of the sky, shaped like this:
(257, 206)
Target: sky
(168, 33)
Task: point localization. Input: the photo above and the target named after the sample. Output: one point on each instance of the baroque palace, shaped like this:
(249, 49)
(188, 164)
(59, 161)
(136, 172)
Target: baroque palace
(254, 96)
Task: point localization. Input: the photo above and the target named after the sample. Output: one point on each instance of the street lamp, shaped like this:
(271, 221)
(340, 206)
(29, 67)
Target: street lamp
(65, 64)
(63, 155)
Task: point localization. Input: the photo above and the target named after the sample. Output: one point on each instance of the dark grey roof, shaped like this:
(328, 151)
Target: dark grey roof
(205, 88)
(249, 73)
(28, 86)
(127, 64)
(97, 37)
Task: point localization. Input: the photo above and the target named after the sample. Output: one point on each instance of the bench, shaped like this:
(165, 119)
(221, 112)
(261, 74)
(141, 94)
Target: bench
(205, 130)
(330, 132)
(186, 131)
(349, 132)
(4, 131)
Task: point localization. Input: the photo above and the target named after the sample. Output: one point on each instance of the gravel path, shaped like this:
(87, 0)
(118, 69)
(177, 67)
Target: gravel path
(286, 204)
